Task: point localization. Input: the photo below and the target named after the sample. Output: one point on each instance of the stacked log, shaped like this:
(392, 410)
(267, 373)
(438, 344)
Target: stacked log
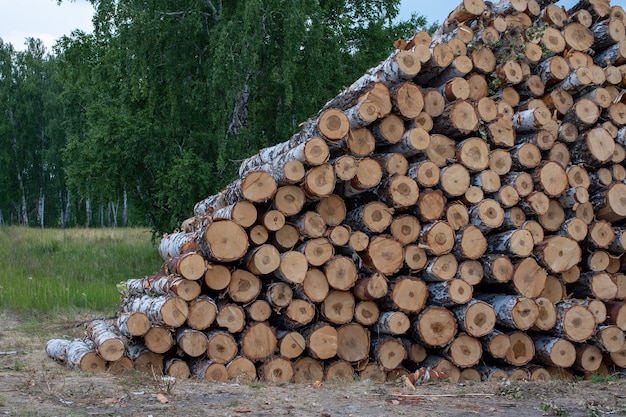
(460, 207)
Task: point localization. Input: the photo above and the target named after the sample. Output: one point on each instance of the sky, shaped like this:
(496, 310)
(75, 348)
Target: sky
(46, 20)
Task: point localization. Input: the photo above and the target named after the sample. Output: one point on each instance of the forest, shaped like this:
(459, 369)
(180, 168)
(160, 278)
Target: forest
(134, 123)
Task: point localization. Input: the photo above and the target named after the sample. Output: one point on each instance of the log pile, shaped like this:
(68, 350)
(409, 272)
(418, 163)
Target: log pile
(460, 207)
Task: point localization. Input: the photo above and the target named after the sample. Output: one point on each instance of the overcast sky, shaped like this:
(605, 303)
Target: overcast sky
(46, 20)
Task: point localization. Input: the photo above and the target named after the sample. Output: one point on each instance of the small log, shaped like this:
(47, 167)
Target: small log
(588, 358)
(458, 118)
(476, 318)
(521, 181)
(516, 312)
(314, 287)
(243, 212)
(107, 341)
(277, 370)
(224, 241)
(444, 366)
(558, 253)
(297, 314)
(600, 285)
(518, 243)
(497, 268)
(554, 289)
(456, 215)
(192, 342)
(341, 272)
(407, 294)
(388, 352)
(339, 235)
(472, 244)
(370, 287)
(161, 285)
(473, 153)
(547, 314)
(338, 307)
(159, 339)
(437, 238)
(398, 191)
(434, 326)
(122, 366)
(610, 338)
(610, 204)
(259, 310)
(286, 237)
(272, 219)
(57, 349)
(575, 322)
(392, 323)
(332, 209)
(464, 351)
(406, 228)
(470, 271)
(175, 244)
(231, 317)
(278, 295)
(217, 277)
(209, 370)
(339, 370)
(595, 147)
(353, 342)
(244, 286)
(554, 351)
(361, 141)
(529, 278)
(496, 344)
(366, 313)
(258, 342)
(368, 175)
(144, 360)
(431, 205)
(307, 370)
(167, 310)
(321, 341)
(522, 349)
(319, 181)
(413, 141)
(449, 293)
(262, 260)
(358, 241)
(133, 324)
(189, 265)
(291, 344)
(292, 267)
(317, 251)
(440, 268)
(384, 254)
(81, 355)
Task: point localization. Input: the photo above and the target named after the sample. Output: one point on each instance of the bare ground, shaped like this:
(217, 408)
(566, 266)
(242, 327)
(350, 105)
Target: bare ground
(31, 384)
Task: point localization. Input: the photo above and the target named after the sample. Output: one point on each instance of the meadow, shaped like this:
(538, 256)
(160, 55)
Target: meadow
(60, 270)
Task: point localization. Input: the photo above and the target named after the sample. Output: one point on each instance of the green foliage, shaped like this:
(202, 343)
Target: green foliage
(597, 378)
(51, 269)
(164, 99)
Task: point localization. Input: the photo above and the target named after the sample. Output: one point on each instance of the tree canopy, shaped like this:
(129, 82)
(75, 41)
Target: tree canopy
(165, 97)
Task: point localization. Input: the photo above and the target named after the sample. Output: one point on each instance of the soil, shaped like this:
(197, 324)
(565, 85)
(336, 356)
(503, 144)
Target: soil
(31, 384)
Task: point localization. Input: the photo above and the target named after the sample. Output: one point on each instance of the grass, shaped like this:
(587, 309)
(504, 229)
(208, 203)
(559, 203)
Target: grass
(52, 270)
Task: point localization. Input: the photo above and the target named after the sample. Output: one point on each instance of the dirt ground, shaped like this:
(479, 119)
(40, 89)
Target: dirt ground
(31, 384)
